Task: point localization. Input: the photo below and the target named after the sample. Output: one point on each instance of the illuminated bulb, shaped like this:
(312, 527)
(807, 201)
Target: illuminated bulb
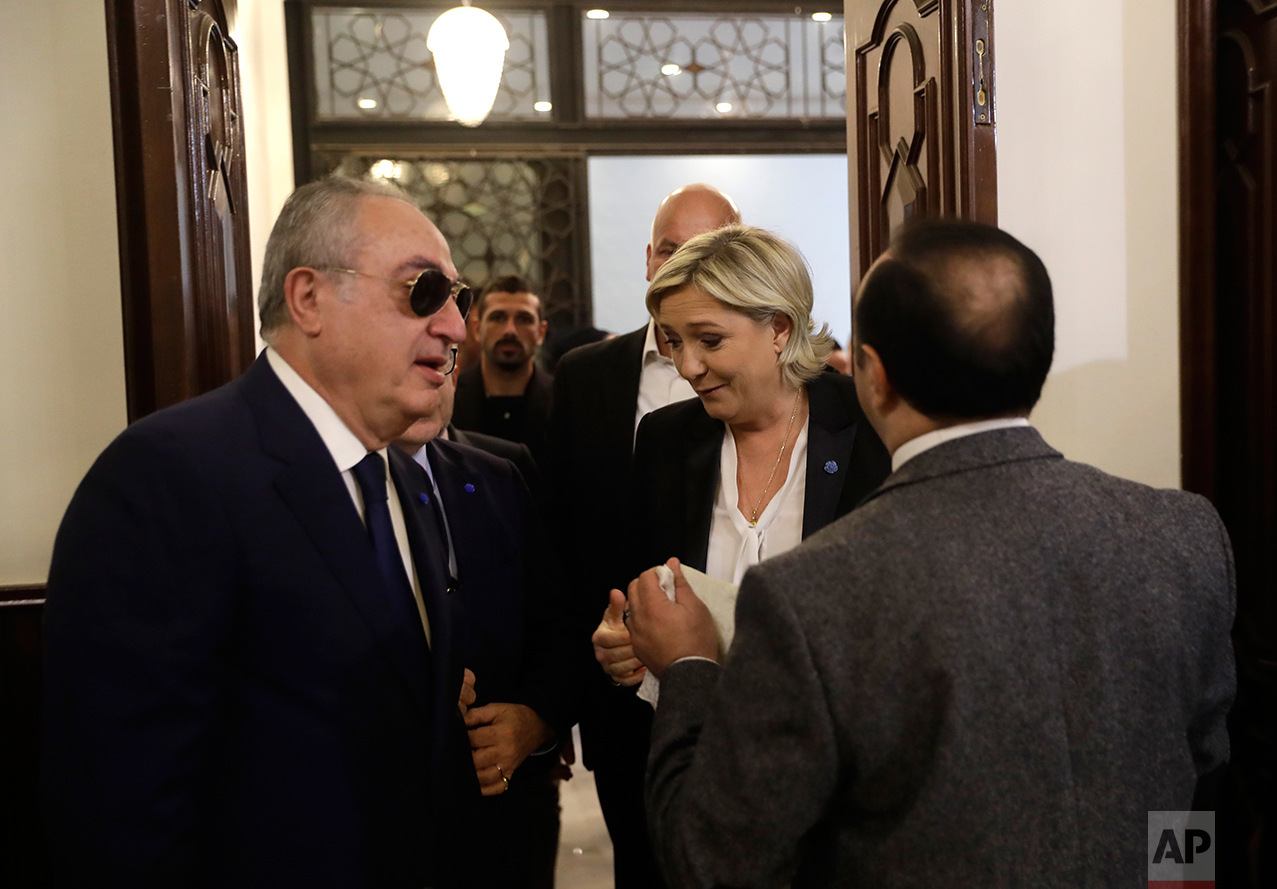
(723, 107)
(542, 106)
(821, 17)
(671, 70)
(368, 104)
(386, 169)
(469, 46)
(597, 14)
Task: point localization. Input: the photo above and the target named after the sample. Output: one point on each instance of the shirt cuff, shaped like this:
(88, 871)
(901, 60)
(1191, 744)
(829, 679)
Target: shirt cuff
(693, 657)
(548, 747)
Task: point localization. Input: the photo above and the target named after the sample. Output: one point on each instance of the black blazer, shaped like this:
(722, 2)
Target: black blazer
(231, 698)
(676, 471)
(518, 454)
(467, 411)
(515, 637)
(591, 449)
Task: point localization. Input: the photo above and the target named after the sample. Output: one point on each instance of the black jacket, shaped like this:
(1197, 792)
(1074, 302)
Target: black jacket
(676, 467)
(591, 444)
(472, 412)
(591, 448)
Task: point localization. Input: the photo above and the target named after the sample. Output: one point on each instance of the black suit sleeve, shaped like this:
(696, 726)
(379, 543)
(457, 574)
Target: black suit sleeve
(560, 661)
(136, 628)
(646, 482)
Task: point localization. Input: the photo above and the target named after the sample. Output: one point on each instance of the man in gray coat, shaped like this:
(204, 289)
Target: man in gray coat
(987, 674)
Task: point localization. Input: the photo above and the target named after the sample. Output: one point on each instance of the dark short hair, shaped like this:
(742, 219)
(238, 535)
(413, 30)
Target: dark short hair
(947, 356)
(507, 284)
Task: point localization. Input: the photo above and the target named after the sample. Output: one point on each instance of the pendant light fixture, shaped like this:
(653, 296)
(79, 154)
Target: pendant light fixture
(469, 47)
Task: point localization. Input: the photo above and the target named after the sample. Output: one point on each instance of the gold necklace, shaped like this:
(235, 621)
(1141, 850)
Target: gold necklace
(753, 519)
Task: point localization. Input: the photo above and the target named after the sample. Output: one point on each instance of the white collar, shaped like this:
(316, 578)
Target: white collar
(925, 442)
(650, 347)
(346, 449)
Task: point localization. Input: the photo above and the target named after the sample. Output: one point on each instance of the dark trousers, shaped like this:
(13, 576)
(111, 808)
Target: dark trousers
(512, 839)
(615, 741)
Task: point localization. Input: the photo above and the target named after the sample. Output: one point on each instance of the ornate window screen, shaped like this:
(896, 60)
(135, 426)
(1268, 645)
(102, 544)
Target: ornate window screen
(373, 64)
(654, 65)
(500, 217)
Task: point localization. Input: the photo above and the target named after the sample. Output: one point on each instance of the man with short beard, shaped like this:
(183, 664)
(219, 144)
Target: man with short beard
(506, 395)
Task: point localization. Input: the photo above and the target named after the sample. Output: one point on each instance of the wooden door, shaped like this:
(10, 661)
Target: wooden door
(182, 198)
(921, 129)
(1228, 359)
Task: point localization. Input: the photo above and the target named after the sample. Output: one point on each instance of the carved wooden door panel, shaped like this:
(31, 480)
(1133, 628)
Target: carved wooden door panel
(1243, 476)
(922, 124)
(1245, 482)
(182, 198)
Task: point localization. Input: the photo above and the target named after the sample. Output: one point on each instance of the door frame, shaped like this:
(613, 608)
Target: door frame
(1197, 334)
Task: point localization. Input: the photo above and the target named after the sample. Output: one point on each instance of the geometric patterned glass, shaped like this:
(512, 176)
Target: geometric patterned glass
(373, 64)
(500, 217)
(701, 65)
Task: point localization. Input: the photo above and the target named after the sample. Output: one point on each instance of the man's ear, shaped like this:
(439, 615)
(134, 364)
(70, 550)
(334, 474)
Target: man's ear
(301, 295)
(648, 263)
(872, 380)
(541, 329)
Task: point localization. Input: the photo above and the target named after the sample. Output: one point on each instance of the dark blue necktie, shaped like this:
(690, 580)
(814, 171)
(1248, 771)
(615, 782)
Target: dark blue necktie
(370, 474)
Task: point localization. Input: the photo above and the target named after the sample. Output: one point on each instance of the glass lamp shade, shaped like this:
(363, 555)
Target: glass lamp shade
(469, 48)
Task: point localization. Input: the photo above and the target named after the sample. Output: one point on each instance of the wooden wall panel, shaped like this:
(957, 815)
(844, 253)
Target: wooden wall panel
(23, 861)
(922, 124)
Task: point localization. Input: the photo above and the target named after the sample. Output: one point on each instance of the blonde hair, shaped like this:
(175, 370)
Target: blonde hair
(759, 275)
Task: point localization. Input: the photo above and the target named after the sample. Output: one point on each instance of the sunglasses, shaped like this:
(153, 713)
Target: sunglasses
(429, 291)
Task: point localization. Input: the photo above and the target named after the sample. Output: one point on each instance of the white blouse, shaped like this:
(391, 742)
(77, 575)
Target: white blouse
(733, 545)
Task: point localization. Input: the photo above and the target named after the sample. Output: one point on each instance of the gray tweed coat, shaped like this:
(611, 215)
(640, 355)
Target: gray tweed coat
(986, 675)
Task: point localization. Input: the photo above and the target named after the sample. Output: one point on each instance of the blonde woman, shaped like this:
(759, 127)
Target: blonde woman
(773, 448)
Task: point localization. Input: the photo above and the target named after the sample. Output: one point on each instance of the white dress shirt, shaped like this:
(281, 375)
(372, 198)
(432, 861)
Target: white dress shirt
(925, 442)
(659, 382)
(735, 546)
(346, 451)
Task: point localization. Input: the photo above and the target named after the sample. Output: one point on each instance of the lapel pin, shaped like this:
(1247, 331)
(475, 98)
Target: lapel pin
(831, 467)
(469, 488)
(424, 499)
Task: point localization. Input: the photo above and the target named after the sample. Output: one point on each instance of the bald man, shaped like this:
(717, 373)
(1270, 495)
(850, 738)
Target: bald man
(601, 392)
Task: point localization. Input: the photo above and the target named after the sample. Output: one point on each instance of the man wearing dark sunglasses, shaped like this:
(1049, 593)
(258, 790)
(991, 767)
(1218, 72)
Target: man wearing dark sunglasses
(254, 653)
(428, 291)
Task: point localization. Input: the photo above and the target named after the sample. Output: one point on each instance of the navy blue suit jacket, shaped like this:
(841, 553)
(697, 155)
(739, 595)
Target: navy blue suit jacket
(516, 638)
(232, 698)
